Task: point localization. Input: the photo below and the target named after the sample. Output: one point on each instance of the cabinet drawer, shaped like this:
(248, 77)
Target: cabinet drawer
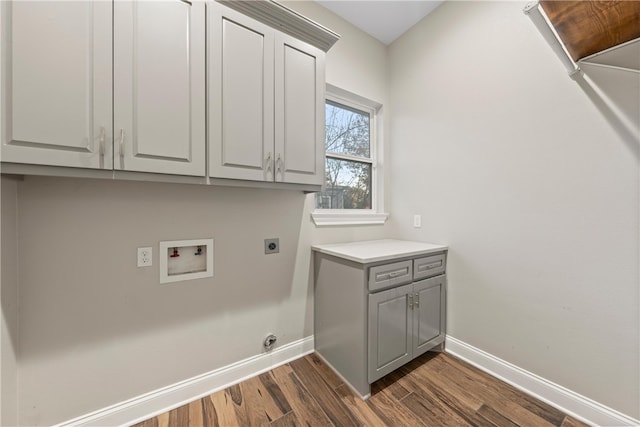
(429, 266)
(384, 276)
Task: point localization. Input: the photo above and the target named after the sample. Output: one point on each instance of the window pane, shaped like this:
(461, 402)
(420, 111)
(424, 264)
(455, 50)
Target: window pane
(347, 131)
(348, 185)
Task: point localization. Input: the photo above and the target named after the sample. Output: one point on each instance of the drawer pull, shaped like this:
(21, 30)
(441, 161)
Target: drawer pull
(431, 266)
(380, 277)
(397, 273)
(386, 275)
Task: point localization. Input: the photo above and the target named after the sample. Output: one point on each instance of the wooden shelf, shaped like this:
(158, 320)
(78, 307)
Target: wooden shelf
(588, 27)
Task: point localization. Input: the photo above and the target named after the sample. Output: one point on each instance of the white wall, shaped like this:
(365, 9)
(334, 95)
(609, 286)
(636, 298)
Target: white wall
(95, 330)
(8, 302)
(534, 183)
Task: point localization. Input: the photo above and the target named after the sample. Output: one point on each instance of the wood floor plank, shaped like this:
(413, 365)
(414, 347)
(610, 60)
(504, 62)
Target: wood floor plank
(432, 378)
(541, 409)
(497, 394)
(287, 420)
(392, 412)
(572, 422)
(426, 407)
(358, 407)
(196, 413)
(163, 420)
(262, 409)
(494, 417)
(306, 408)
(537, 407)
(277, 397)
(222, 409)
(324, 395)
(330, 377)
(240, 411)
(179, 416)
(440, 396)
(392, 384)
(209, 412)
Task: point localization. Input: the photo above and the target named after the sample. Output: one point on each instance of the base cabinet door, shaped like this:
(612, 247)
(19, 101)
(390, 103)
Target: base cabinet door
(56, 92)
(404, 322)
(390, 330)
(159, 87)
(428, 314)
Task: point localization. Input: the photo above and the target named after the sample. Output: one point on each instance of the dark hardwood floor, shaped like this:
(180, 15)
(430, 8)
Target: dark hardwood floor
(435, 389)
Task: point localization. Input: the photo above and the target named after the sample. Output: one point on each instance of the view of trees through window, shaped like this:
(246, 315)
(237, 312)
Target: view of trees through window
(349, 164)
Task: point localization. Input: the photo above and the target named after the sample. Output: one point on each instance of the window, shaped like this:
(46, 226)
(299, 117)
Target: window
(352, 183)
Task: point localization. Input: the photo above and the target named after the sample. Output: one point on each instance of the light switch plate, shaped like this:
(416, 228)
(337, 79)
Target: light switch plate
(145, 257)
(417, 221)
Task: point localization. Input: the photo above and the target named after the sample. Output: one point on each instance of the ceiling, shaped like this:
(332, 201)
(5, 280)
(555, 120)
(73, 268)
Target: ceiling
(386, 20)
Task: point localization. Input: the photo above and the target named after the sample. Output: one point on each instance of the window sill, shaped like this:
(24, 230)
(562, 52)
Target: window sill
(324, 219)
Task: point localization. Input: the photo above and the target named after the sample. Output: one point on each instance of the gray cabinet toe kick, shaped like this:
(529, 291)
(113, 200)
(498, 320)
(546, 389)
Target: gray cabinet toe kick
(373, 317)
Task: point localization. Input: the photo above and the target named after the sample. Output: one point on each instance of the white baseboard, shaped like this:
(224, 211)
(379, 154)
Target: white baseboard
(167, 398)
(572, 403)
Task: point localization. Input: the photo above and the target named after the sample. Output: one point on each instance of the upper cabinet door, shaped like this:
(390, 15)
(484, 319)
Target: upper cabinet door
(56, 83)
(159, 86)
(240, 67)
(299, 107)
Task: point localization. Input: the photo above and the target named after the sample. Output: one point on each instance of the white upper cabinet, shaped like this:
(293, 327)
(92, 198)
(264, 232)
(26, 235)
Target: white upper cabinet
(159, 87)
(125, 86)
(56, 83)
(241, 119)
(266, 102)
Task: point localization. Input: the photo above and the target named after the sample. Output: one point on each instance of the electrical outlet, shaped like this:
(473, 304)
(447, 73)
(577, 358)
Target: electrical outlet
(417, 221)
(145, 257)
(271, 246)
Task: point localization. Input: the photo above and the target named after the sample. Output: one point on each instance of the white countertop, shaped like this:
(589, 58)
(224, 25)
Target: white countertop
(378, 250)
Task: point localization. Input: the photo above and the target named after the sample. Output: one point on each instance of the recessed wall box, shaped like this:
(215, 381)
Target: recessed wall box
(185, 260)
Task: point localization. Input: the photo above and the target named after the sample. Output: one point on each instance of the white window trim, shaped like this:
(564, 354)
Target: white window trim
(375, 215)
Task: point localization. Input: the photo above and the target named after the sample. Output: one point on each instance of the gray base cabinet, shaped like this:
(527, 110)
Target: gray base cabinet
(373, 317)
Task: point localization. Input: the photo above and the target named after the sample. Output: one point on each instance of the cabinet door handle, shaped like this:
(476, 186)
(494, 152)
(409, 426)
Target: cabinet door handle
(101, 141)
(268, 162)
(121, 146)
(410, 301)
(416, 299)
(279, 163)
